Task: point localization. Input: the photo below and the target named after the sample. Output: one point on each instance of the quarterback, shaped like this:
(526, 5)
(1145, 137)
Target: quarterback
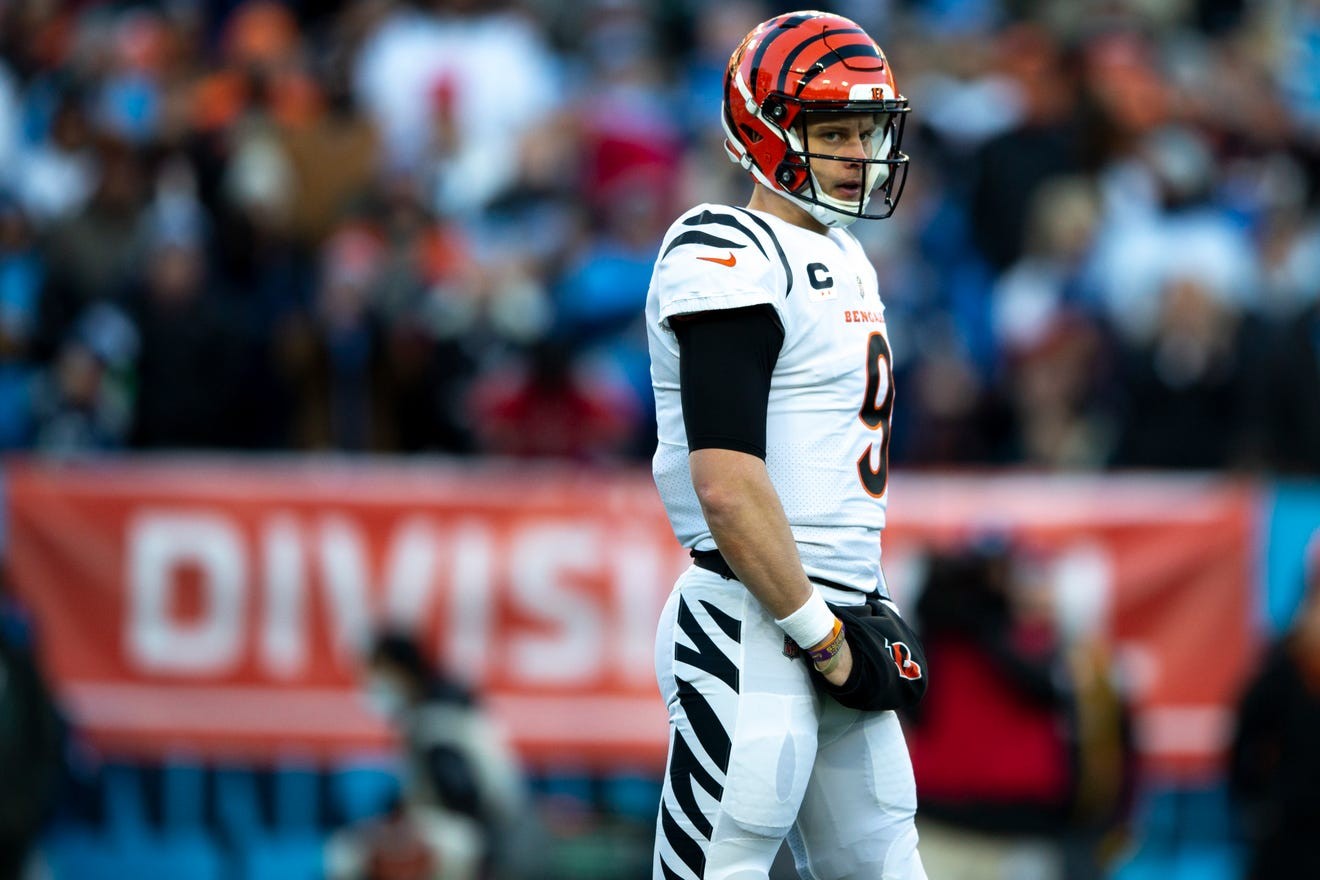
(779, 653)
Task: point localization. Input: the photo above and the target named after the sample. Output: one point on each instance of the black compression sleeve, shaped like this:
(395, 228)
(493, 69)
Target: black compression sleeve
(725, 361)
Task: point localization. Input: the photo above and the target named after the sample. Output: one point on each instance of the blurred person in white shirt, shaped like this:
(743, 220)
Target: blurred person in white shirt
(454, 87)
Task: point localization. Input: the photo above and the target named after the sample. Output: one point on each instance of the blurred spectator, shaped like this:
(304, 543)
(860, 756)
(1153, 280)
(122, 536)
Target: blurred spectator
(1057, 387)
(440, 311)
(84, 401)
(1046, 142)
(1021, 755)
(10, 122)
(970, 99)
(1057, 364)
(1046, 281)
(1290, 418)
(1298, 65)
(93, 256)
(333, 356)
(191, 350)
(129, 96)
(951, 418)
(1161, 225)
(332, 160)
(1274, 769)
(988, 749)
(455, 86)
(1187, 388)
(54, 177)
(21, 274)
(600, 296)
(1288, 236)
(459, 769)
(629, 128)
(556, 407)
(31, 747)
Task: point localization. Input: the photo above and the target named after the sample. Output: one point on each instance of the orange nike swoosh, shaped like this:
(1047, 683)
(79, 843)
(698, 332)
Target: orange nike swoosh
(723, 261)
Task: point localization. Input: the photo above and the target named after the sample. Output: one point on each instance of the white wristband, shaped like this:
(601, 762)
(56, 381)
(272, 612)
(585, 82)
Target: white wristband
(811, 624)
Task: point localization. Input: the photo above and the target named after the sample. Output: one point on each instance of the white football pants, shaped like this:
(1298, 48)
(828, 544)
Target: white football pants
(757, 756)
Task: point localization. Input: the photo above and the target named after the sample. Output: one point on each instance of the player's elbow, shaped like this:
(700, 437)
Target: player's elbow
(718, 496)
(724, 482)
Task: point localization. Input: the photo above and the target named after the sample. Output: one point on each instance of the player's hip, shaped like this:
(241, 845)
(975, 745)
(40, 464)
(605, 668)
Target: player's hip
(714, 634)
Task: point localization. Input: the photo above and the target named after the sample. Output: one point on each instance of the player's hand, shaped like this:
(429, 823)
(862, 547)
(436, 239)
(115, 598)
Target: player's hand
(885, 665)
(839, 674)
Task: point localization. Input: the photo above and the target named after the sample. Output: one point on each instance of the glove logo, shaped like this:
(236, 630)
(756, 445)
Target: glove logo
(902, 654)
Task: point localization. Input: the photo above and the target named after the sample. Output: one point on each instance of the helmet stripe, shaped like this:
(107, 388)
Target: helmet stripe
(783, 28)
(859, 50)
(801, 47)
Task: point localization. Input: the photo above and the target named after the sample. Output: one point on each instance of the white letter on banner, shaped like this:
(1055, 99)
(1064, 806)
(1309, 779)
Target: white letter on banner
(408, 582)
(572, 652)
(344, 571)
(1083, 583)
(159, 544)
(410, 571)
(284, 623)
(638, 600)
(468, 635)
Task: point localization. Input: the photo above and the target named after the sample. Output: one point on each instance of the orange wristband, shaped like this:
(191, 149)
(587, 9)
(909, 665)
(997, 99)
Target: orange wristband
(829, 648)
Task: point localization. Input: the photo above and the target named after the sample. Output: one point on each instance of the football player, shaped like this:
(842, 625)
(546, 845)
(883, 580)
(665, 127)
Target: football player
(779, 653)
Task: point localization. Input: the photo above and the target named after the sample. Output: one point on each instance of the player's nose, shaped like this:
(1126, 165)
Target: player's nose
(854, 149)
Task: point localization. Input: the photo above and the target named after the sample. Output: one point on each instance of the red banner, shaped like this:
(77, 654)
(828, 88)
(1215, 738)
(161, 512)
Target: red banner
(221, 607)
(1161, 570)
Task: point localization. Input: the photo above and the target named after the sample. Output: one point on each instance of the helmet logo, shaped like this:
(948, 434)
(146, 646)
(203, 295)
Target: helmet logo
(871, 92)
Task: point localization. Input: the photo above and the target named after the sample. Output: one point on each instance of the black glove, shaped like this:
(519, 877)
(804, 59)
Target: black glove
(888, 661)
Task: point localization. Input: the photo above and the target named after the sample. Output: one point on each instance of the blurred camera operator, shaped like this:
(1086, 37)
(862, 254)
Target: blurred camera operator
(458, 768)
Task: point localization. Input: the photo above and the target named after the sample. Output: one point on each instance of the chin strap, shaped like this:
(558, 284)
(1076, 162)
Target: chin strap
(823, 214)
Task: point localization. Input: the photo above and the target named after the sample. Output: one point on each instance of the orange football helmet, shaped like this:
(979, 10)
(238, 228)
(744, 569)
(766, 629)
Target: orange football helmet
(808, 63)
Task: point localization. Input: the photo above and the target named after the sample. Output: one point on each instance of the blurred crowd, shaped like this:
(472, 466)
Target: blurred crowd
(373, 225)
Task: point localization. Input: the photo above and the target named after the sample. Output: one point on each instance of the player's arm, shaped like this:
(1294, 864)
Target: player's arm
(725, 364)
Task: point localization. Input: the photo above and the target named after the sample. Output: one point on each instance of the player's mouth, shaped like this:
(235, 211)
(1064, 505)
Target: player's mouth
(848, 191)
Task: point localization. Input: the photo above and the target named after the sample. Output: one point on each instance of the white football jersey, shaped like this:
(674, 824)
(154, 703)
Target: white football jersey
(827, 425)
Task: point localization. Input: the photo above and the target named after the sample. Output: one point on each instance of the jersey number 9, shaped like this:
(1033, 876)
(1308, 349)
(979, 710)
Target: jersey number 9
(877, 406)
